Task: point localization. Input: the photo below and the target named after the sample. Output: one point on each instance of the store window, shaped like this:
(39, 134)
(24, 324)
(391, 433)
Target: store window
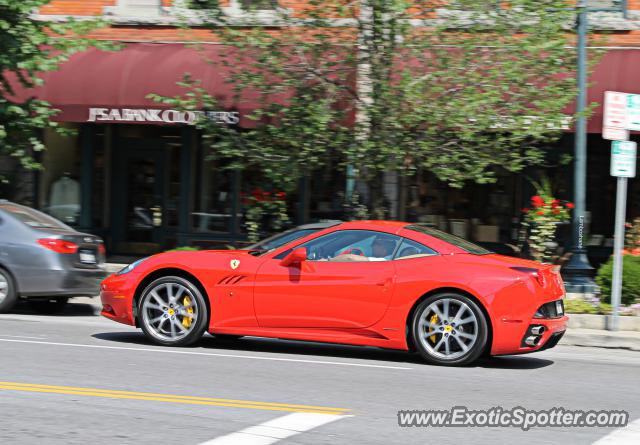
(213, 209)
(59, 194)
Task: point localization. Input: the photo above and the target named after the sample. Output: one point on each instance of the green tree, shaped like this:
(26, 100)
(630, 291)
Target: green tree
(29, 48)
(460, 88)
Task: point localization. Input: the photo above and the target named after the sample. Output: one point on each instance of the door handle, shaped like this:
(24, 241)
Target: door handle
(385, 283)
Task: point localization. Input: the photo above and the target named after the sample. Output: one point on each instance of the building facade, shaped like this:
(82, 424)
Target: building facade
(135, 172)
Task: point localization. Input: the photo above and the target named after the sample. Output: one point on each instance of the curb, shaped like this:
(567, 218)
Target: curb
(602, 339)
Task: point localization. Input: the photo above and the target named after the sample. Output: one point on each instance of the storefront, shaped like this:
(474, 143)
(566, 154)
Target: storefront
(136, 173)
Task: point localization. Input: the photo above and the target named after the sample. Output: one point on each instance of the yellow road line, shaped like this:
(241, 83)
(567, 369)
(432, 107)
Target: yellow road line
(169, 398)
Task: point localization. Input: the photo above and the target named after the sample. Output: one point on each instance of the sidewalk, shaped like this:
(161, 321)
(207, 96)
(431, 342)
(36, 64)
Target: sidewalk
(598, 338)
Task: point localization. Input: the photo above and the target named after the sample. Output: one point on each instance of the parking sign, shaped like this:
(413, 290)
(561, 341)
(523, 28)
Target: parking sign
(623, 159)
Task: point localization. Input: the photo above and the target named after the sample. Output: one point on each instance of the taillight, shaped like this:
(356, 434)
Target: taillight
(535, 273)
(58, 245)
(101, 250)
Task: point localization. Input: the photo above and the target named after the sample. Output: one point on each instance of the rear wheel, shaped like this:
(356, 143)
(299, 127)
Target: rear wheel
(49, 305)
(449, 329)
(8, 294)
(173, 312)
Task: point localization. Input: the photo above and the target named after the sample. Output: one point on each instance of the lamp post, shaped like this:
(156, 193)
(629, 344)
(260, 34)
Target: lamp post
(578, 272)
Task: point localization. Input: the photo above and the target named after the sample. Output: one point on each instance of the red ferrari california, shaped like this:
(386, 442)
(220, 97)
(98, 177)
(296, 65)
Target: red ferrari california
(375, 283)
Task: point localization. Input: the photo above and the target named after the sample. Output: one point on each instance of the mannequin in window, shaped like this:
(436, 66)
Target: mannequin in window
(64, 199)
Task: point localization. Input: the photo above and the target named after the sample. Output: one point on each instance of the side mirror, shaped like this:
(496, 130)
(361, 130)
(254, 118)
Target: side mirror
(296, 256)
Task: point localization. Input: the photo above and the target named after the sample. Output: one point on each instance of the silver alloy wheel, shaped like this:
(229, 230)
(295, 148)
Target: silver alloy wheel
(448, 328)
(4, 287)
(170, 311)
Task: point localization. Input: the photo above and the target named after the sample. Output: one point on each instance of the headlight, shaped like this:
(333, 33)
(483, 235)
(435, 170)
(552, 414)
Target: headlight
(130, 267)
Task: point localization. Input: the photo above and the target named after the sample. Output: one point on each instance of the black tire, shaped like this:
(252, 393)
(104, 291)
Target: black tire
(427, 345)
(49, 305)
(201, 317)
(8, 301)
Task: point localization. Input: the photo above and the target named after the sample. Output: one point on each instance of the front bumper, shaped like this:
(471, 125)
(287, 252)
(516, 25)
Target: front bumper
(61, 282)
(116, 295)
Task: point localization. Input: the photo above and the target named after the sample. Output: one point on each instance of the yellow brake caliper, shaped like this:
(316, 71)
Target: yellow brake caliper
(186, 321)
(434, 320)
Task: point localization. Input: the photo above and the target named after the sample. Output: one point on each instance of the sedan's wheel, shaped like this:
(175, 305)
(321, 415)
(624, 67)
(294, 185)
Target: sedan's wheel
(449, 329)
(172, 312)
(8, 295)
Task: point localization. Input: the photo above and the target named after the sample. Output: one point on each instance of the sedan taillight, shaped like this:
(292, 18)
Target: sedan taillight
(58, 245)
(101, 250)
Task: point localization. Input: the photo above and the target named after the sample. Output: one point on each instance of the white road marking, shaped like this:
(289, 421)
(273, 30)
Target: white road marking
(275, 430)
(210, 354)
(629, 435)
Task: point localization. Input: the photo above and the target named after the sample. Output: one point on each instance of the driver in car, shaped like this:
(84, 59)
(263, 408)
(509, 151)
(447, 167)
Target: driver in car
(381, 250)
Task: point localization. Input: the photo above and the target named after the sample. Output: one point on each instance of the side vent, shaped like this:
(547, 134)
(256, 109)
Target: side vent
(232, 279)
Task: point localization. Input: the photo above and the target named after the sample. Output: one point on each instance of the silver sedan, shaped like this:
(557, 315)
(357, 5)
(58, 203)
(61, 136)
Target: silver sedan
(44, 260)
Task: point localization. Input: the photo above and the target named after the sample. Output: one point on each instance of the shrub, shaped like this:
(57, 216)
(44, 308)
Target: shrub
(630, 279)
(584, 307)
(579, 307)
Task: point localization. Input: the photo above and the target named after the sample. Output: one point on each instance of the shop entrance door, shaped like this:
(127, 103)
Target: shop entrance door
(138, 201)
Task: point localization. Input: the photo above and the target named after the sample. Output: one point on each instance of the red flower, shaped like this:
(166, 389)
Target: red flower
(555, 203)
(570, 205)
(524, 210)
(556, 211)
(281, 195)
(537, 201)
(540, 212)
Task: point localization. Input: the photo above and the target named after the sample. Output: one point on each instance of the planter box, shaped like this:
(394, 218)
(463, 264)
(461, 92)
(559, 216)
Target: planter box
(592, 321)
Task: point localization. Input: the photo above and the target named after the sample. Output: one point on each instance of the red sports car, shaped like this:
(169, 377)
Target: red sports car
(376, 283)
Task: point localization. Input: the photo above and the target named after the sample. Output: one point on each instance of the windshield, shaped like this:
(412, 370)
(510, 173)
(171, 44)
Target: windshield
(33, 218)
(463, 244)
(280, 239)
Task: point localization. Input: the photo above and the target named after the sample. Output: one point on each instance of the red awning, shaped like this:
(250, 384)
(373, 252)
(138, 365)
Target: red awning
(619, 70)
(112, 86)
(105, 86)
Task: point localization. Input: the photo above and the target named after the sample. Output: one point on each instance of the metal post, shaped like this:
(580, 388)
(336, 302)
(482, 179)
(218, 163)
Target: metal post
(578, 271)
(618, 244)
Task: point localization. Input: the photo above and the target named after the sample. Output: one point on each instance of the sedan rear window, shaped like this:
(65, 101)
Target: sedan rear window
(32, 218)
(463, 244)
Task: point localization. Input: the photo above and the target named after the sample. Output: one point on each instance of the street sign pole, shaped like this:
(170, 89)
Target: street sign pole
(618, 244)
(623, 166)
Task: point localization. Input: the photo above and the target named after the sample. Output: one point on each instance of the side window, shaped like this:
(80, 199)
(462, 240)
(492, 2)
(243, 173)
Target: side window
(351, 245)
(413, 249)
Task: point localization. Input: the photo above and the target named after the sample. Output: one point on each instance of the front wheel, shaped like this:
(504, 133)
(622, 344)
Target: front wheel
(449, 329)
(172, 312)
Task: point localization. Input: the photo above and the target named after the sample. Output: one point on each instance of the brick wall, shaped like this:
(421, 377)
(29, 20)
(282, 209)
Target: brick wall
(151, 33)
(76, 7)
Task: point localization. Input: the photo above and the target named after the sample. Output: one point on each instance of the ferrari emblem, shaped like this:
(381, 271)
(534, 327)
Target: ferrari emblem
(234, 264)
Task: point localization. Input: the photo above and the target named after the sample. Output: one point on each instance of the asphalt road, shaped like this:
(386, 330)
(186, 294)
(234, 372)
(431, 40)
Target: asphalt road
(105, 384)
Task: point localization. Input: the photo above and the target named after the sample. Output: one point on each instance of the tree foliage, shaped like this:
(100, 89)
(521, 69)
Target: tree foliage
(462, 88)
(29, 48)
